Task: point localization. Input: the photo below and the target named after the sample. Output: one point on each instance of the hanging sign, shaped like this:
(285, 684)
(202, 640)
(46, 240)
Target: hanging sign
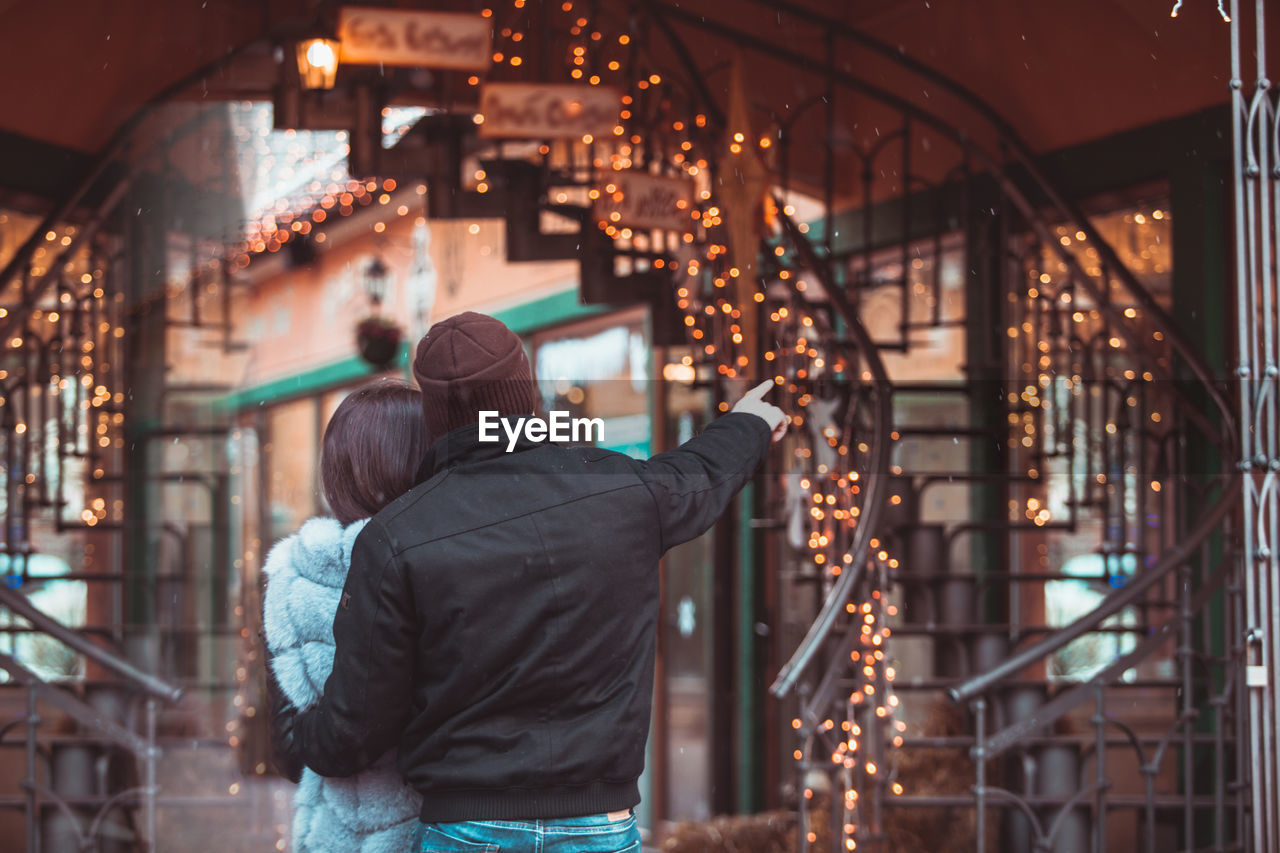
(548, 110)
(400, 37)
(641, 200)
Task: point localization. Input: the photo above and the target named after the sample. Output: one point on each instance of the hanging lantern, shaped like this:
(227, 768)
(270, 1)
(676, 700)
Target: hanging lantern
(378, 340)
(377, 337)
(376, 280)
(317, 62)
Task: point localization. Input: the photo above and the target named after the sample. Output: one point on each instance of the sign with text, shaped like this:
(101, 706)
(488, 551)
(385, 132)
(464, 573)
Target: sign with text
(548, 110)
(642, 200)
(376, 36)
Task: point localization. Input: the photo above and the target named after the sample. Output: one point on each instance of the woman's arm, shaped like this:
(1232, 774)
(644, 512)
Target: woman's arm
(365, 704)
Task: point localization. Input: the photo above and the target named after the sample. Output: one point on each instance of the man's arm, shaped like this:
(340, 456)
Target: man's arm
(366, 700)
(693, 484)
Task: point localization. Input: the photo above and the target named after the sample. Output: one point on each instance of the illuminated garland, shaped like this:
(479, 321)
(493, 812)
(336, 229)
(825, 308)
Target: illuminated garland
(82, 386)
(1040, 427)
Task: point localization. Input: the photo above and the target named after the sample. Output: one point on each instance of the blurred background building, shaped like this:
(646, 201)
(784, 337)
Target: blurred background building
(1007, 585)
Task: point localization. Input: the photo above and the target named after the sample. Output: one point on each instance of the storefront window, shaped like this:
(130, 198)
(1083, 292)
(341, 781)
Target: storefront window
(600, 369)
(1140, 230)
(293, 454)
(688, 627)
(62, 600)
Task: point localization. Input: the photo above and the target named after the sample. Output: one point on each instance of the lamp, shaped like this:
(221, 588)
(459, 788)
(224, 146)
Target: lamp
(377, 277)
(317, 62)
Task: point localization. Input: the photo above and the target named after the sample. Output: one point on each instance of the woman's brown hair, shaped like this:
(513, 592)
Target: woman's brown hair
(372, 448)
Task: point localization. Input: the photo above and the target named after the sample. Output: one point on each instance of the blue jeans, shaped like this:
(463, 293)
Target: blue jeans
(591, 834)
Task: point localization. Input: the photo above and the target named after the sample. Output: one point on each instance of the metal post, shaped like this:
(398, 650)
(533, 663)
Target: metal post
(980, 772)
(748, 730)
(1266, 426)
(1149, 772)
(1100, 766)
(1188, 707)
(149, 779)
(33, 795)
(1255, 367)
(802, 779)
(1219, 704)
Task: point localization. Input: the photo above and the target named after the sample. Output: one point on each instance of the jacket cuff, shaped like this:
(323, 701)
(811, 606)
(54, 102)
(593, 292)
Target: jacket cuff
(754, 423)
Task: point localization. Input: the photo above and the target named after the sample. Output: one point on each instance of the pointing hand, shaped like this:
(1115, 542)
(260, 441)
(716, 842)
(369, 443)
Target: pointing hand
(753, 403)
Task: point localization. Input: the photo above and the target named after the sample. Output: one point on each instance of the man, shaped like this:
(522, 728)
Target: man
(499, 620)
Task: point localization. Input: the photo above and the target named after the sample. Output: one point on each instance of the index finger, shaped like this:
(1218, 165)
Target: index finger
(758, 392)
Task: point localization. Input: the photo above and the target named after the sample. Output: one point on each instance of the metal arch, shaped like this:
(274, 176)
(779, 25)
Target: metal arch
(31, 722)
(82, 840)
(1147, 768)
(1259, 104)
(1008, 796)
(843, 30)
(784, 122)
(113, 803)
(1130, 735)
(654, 11)
(1060, 816)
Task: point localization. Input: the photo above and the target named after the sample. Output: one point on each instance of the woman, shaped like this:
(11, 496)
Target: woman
(369, 457)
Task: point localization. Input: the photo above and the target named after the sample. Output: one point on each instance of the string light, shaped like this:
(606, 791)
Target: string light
(831, 492)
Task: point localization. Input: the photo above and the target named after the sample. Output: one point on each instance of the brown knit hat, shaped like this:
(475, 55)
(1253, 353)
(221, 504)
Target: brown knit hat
(467, 364)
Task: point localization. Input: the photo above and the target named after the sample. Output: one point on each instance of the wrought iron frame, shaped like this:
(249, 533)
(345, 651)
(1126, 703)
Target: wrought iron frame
(1255, 128)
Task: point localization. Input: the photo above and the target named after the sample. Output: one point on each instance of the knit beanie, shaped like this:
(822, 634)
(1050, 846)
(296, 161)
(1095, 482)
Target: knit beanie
(467, 364)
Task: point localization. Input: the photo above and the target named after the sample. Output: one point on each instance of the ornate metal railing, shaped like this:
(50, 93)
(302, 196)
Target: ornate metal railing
(40, 793)
(1182, 563)
(842, 462)
(1255, 122)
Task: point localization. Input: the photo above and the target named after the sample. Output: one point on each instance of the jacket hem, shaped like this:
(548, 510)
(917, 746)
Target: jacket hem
(445, 806)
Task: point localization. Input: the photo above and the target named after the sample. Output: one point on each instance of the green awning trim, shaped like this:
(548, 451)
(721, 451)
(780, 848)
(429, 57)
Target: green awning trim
(308, 382)
(549, 310)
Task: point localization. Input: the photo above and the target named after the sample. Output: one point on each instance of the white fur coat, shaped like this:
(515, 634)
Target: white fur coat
(373, 812)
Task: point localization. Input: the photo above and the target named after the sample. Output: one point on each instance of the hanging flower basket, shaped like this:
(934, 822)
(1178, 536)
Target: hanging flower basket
(378, 341)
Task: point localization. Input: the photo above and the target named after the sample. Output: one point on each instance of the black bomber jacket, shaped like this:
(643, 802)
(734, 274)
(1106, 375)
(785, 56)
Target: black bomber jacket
(499, 621)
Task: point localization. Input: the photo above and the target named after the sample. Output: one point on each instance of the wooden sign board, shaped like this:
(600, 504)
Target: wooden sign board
(548, 110)
(399, 37)
(642, 200)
